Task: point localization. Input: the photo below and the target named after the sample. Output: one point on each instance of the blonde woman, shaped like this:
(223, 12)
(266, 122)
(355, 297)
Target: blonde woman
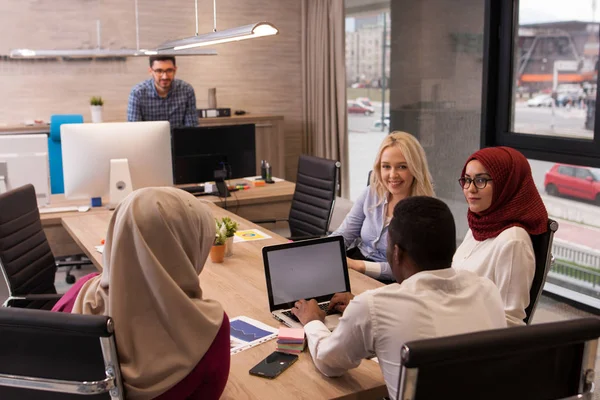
(400, 170)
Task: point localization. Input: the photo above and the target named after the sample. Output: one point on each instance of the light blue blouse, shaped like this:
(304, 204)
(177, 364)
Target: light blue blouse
(365, 227)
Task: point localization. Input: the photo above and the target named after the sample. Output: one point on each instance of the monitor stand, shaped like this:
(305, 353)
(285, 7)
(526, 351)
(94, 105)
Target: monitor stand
(222, 190)
(3, 176)
(120, 181)
(220, 175)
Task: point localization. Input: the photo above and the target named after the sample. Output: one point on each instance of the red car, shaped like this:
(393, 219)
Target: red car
(574, 181)
(355, 107)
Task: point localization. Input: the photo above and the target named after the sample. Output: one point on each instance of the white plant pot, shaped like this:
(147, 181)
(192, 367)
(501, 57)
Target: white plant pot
(229, 247)
(96, 113)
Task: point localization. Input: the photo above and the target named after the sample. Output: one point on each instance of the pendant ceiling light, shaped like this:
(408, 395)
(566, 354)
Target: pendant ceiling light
(103, 53)
(250, 31)
(100, 52)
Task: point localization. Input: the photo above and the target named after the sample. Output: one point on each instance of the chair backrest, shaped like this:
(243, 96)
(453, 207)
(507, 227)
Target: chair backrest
(542, 249)
(55, 149)
(314, 197)
(542, 361)
(26, 261)
(48, 355)
(340, 210)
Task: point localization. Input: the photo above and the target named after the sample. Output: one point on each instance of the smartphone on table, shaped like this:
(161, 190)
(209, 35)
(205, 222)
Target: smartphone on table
(273, 365)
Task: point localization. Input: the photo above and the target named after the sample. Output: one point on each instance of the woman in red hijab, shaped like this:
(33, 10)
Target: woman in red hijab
(504, 209)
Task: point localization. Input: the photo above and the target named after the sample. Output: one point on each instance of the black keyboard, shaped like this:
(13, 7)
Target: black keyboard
(194, 189)
(206, 194)
(322, 306)
(290, 315)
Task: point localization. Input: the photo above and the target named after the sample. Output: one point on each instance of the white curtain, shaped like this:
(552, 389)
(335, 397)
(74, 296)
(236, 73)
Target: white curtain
(324, 83)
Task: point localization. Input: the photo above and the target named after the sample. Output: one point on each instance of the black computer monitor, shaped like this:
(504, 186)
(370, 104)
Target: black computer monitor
(199, 151)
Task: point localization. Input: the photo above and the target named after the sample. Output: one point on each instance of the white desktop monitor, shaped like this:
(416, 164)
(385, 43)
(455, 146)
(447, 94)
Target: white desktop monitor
(23, 160)
(87, 151)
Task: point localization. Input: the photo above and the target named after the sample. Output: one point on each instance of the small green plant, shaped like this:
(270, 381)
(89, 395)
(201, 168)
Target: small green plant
(221, 233)
(96, 101)
(230, 225)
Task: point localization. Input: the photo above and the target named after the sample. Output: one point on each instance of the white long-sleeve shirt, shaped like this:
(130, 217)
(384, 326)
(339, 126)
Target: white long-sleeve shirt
(428, 304)
(508, 261)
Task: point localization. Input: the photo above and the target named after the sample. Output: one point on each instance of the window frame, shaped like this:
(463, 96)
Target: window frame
(501, 26)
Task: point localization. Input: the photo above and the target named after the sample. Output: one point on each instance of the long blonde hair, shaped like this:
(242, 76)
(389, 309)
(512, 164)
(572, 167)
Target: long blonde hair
(415, 159)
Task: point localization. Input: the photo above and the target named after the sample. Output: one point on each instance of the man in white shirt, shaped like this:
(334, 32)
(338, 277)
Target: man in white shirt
(431, 299)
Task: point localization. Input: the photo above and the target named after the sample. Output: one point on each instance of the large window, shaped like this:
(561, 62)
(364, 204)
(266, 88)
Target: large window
(542, 64)
(540, 95)
(367, 76)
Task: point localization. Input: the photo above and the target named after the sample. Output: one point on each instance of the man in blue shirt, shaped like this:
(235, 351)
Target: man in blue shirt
(162, 97)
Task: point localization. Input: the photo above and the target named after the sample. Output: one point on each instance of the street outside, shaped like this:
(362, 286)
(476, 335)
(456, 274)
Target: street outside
(579, 221)
(566, 121)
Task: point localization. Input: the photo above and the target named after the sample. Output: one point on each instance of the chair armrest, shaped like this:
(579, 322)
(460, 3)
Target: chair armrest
(48, 300)
(307, 237)
(43, 296)
(269, 221)
(72, 263)
(32, 297)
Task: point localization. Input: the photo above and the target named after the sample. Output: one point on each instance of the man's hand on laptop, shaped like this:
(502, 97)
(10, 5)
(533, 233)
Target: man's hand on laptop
(308, 311)
(356, 265)
(340, 301)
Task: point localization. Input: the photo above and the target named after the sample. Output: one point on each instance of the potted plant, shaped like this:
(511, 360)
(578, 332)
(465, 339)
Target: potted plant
(230, 227)
(96, 104)
(217, 251)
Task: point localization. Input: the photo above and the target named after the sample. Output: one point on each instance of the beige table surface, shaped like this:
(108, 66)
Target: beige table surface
(269, 201)
(239, 285)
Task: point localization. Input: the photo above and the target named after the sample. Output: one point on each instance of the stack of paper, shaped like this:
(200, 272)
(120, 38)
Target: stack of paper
(290, 340)
(247, 333)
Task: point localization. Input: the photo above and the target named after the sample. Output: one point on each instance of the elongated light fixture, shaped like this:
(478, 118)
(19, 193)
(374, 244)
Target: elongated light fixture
(103, 53)
(250, 31)
(100, 52)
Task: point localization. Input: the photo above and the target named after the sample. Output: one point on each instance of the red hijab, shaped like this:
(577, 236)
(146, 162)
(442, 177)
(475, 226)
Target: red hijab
(515, 200)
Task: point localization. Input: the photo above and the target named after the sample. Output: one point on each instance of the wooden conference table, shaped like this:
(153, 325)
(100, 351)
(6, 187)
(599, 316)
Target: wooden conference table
(239, 285)
(269, 201)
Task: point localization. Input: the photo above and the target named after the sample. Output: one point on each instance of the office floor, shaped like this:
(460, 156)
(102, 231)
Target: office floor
(59, 280)
(548, 310)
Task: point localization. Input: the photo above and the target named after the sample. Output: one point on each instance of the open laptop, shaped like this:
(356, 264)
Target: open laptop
(308, 269)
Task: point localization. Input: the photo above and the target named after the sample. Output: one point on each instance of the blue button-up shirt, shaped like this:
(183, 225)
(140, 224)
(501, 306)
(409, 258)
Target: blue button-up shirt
(365, 226)
(179, 107)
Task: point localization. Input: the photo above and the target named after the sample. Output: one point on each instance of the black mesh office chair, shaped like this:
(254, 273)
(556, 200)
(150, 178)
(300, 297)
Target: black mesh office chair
(314, 198)
(26, 261)
(56, 356)
(535, 362)
(542, 249)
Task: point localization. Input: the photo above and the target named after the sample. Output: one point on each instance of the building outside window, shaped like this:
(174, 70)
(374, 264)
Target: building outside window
(549, 114)
(367, 70)
(533, 64)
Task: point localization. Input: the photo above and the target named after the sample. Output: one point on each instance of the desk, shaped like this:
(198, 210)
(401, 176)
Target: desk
(239, 285)
(269, 201)
(269, 135)
(22, 129)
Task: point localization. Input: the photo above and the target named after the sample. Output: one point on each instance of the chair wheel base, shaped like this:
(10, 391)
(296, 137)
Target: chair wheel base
(70, 279)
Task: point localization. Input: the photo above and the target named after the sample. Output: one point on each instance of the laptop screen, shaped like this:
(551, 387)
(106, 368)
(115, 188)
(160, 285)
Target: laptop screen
(305, 270)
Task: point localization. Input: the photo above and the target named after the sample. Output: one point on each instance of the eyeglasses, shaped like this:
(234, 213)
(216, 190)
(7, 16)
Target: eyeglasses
(480, 182)
(159, 72)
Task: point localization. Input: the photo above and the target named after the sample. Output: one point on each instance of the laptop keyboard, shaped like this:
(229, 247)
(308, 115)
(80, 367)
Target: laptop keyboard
(322, 306)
